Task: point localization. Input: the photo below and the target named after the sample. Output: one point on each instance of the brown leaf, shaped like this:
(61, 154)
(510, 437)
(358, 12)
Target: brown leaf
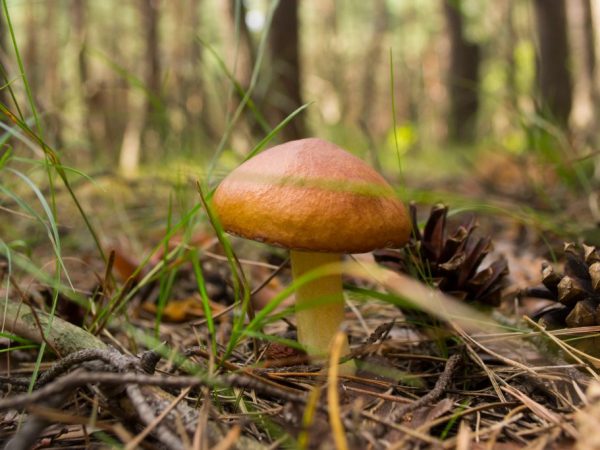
(124, 265)
(182, 310)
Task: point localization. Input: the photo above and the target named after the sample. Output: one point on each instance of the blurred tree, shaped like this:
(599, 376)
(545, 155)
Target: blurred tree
(583, 48)
(239, 49)
(150, 13)
(330, 61)
(79, 19)
(509, 56)
(102, 101)
(553, 74)
(147, 117)
(53, 95)
(31, 52)
(184, 60)
(590, 42)
(241, 58)
(463, 76)
(284, 94)
(373, 55)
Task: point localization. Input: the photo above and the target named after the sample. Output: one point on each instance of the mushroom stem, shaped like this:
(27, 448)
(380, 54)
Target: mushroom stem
(319, 303)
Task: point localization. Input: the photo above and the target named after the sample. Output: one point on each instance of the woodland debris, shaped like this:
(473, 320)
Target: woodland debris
(575, 291)
(450, 259)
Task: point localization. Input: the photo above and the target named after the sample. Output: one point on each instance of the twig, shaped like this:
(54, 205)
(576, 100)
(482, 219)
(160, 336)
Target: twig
(68, 338)
(81, 378)
(146, 414)
(132, 444)
(197, 351)
(19, 383)
(438, 390)
(30, 432)
(572, 352)
(404, 429)
(65, 364)
(272, 275)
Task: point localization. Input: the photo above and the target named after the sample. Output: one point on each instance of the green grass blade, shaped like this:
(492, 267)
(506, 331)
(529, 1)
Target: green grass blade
(205, 300)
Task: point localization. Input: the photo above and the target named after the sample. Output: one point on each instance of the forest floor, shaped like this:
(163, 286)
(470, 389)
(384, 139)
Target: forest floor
(149, 348)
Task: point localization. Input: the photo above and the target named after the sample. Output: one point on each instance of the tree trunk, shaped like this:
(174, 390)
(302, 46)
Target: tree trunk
(78, 10)
(590, 38)
(509, 56)
(150, 23)
(238, 42)
(284, 94)
(31, 52)
(371, 62)
(140, 116)
(52, 79)
(553, 75)
(583, 48)
(463, 76)
(185, 85)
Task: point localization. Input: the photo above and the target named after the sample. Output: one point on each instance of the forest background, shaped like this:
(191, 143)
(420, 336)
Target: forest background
(125, 84)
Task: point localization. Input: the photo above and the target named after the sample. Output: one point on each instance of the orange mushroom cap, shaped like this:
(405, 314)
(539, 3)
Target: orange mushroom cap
(311, 195)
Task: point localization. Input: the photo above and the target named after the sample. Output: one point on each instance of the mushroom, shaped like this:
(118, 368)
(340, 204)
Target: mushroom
(321, 202)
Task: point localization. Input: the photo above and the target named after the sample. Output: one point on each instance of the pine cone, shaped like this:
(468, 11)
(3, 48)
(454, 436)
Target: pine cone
(450, 261)
(576, 291)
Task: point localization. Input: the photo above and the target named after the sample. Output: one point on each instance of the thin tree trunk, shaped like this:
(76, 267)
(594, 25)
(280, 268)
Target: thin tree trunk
(583, 48)
(511, 72)
(330, 62)
(78, 10)
(285, 93)
(79, 18)
(240, 58)
(147, 116)
(371, 61)
(236, 35)
(52, 89)
(463, 82)
(193, 85)
(553, 74)
(31, 52)
(184, 57)
(590, 38)
(150, 13)
(129, 156)
(192, 82)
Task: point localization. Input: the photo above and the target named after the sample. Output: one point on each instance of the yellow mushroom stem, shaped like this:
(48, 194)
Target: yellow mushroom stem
(319, 303)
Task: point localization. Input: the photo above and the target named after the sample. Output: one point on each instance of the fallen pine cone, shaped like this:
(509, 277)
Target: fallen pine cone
(576, 291)
(449, 260)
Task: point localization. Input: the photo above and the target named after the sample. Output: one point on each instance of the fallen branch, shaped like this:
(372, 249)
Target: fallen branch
(63, 336)
(68, 339)
(440, 387)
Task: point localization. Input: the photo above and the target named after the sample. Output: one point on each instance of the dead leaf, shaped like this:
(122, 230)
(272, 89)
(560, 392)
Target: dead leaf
(182, 310)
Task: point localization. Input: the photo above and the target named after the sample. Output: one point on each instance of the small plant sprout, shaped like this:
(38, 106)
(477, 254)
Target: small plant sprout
(321, 202)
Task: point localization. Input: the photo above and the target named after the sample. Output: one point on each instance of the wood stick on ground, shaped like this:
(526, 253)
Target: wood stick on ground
(438, 390)
(68, 338)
